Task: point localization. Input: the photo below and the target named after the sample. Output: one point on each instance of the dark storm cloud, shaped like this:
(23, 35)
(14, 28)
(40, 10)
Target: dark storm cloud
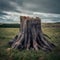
(5, 5)
(1, 13)
(49, 6)
(19, 2)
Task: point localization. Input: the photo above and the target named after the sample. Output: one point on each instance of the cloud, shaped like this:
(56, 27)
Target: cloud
(14, 17)
(2, 13)
(47, 6)
(47, 10)
(5, 5)
(47, 15)
(8, 5)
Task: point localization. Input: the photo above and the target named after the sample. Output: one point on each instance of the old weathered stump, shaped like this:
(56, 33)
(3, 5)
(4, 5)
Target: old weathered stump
(31, 36)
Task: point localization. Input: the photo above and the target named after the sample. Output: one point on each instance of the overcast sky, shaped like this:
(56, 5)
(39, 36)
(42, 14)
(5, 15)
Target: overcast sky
(47, 10)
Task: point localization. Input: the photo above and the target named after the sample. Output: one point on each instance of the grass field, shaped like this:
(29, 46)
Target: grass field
(7, 34)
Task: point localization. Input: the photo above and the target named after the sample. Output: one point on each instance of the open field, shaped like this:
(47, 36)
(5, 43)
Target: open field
(7, 34)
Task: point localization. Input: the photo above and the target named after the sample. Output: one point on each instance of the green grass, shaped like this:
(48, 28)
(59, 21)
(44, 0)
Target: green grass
(54, 34)
(6, 34)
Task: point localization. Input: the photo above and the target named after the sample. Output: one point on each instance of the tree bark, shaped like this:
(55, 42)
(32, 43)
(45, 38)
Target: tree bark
(31, 36)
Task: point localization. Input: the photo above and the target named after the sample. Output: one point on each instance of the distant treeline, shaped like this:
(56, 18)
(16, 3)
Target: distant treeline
(10, 25)
(18, 25)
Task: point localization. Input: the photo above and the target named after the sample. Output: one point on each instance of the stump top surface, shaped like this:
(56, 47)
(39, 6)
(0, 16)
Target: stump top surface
(29, 18)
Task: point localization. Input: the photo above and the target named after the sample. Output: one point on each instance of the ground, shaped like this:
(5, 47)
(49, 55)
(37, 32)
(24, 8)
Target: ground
(6, 34)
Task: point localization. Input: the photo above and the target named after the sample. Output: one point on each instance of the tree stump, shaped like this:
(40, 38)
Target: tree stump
(31, 36)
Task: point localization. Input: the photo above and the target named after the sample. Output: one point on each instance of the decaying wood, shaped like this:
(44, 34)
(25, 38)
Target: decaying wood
(31, 36)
